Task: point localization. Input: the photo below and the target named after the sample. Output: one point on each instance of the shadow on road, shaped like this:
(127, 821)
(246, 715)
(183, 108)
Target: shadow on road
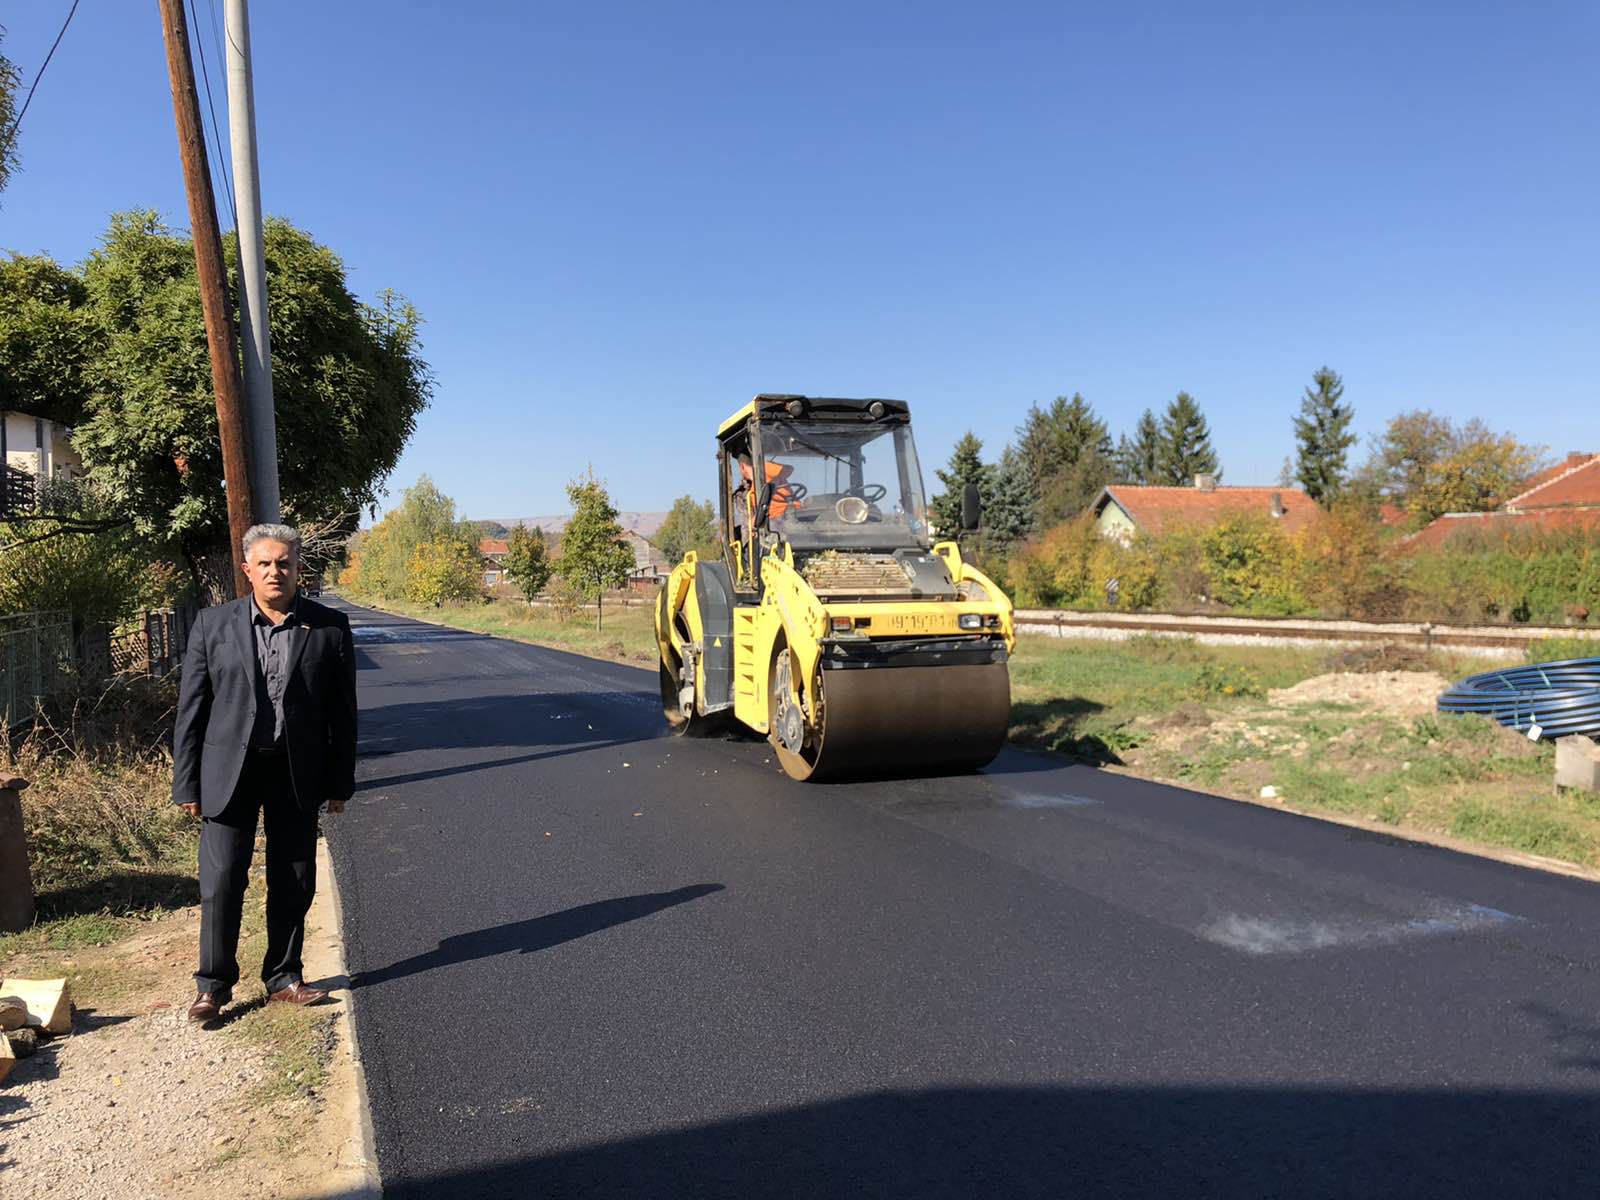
(537, 933)
(1069, 1142)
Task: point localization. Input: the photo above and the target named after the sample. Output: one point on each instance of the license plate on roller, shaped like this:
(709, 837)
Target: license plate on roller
(914, 622)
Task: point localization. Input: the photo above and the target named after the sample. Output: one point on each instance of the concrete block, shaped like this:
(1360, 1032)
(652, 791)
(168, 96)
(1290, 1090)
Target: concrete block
(1578, 763)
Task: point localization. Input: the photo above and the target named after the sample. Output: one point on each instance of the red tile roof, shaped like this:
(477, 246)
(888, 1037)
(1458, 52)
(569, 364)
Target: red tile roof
(1157, 510)
(490, 546)
(1506, 524)
(1575, 481)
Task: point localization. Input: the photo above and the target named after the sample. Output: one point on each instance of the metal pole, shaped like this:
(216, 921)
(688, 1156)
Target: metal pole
(213, 283)
(253, 330)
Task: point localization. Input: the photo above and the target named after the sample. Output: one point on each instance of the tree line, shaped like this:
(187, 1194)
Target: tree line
(422, 552)
(1062, 456)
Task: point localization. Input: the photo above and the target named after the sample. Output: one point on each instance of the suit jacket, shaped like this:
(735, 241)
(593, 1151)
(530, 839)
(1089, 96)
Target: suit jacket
(217, 707)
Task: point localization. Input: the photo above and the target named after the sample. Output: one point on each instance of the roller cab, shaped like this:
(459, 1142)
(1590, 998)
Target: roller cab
(833, 622)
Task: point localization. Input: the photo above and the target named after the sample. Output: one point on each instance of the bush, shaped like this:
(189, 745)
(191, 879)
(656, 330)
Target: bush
(1253, 565)
(98, 577)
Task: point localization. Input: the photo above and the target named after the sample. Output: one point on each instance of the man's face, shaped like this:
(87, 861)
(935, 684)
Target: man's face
(273, 572)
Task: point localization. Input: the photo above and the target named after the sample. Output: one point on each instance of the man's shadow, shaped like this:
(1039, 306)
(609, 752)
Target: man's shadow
(536, 933)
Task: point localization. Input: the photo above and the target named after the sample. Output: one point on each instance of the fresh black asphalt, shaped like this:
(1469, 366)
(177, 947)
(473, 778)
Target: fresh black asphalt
(593, 960)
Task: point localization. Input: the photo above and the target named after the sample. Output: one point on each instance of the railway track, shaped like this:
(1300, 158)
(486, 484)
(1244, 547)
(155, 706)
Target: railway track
(1488, 640)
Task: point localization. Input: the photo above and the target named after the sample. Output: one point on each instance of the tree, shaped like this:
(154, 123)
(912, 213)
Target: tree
(1485, 470)
(1137, 458)
(440, 572)
(1401, 457)
(48, 339)
(1428, 465)
(1051, 441)
(594, 556)
(348, 384)
(690, 525)
(1322, 435)
(1185, 449)
(9, 82)
(425, 516)
(1008, 508)
(965, 466)
(527, 561)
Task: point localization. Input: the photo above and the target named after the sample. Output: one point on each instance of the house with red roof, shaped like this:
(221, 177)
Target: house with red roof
(1123, 510)
(1562, 498)
(493, 551)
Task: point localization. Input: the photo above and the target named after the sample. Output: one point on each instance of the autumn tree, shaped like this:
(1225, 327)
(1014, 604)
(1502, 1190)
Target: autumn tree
(1323, 438)
(594, 555)
(443, 572)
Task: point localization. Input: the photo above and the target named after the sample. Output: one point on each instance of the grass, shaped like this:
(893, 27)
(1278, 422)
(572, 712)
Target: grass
(106, 846)
(628, 634)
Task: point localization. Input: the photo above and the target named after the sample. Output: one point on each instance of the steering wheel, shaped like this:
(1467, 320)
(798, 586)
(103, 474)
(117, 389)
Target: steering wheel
(870, 492)
(797, 491)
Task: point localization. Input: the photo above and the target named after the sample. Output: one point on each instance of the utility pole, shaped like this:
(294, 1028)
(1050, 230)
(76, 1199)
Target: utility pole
(213, 283)
(253, 330)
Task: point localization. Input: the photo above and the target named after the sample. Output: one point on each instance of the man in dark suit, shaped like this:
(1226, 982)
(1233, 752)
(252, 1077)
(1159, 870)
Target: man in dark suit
(266, 727)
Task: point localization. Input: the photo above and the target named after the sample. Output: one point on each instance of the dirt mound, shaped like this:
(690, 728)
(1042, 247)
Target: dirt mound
(1401, 693)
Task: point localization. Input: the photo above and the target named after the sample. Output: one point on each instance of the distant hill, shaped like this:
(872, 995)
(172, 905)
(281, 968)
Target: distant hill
(644, 524)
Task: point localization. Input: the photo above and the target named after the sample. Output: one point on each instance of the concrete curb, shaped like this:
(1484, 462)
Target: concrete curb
(356, 1175)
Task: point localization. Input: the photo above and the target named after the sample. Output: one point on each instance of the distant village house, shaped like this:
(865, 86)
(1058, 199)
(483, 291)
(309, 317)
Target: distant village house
(1123, 510)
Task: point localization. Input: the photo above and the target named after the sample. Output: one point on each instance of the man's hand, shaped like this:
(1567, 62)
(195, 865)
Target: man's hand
(336, 806)
(192, 809)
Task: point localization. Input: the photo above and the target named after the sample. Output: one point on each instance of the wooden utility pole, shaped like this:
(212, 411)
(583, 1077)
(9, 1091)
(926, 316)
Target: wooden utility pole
(213, 284)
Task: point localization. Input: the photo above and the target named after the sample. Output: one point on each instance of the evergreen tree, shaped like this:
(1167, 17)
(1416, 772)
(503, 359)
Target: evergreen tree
(1323, 437)
(1137, 457)
(1185, 449)
(965, 466)
(1008, 508)
(1051, 442)
(594, 556)
(528, 562)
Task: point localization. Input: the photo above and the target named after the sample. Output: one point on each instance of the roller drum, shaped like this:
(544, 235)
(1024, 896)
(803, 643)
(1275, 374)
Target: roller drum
(906, 720)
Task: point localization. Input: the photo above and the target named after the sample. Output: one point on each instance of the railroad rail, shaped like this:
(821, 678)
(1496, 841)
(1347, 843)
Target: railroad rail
(1219, 630)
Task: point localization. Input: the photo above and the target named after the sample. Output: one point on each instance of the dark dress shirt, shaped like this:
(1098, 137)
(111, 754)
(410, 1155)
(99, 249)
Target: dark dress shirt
(274, 653)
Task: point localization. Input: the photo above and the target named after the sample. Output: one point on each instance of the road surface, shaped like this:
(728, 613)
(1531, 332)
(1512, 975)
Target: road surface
(593, 960)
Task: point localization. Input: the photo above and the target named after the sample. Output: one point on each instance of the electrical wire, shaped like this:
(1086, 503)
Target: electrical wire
(1546, 700)
(220, 166)
(11, 133)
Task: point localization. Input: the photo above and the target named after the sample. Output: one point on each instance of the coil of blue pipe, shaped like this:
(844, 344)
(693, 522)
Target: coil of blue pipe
(1560, 698)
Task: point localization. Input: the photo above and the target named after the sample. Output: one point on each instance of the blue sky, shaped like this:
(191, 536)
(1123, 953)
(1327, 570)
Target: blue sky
(620, 221)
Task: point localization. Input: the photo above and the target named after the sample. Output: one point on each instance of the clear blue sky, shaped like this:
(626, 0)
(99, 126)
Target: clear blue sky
(620, 221)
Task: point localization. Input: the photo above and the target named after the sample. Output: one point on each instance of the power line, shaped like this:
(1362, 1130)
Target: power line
(11, 134)
(220, 165)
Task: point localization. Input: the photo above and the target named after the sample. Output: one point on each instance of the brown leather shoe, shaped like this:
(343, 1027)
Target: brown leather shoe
(298, 993)
(207, 1006)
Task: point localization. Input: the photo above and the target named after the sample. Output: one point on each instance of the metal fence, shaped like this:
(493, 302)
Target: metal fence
(36, 659)
(41, 652)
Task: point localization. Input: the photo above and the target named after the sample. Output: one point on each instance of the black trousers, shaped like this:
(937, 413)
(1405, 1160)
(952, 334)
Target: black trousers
(227, 842)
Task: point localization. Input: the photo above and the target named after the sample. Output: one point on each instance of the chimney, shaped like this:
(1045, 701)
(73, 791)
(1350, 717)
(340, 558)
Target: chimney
(1205, 483)
(1278, 509)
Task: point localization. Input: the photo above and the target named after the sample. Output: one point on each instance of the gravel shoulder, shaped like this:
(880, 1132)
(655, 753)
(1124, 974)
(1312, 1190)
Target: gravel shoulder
(136, 1102)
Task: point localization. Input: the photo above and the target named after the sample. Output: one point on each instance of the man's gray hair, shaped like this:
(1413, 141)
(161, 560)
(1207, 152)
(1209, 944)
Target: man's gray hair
(287, 534)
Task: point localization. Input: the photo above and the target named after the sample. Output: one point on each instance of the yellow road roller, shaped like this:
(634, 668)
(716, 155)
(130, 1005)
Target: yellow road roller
(833, 623)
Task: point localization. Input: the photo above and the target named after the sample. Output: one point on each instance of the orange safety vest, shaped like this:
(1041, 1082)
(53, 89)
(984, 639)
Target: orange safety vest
(781, 495)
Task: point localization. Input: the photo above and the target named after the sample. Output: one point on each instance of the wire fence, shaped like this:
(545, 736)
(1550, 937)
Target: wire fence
(42, 653)
(36, 659)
